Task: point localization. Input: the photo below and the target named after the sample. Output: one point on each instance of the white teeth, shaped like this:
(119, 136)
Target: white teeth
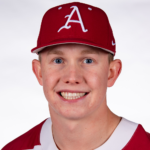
(70, 96)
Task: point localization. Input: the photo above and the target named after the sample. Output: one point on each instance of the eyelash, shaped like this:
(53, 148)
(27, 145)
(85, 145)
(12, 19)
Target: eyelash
(61, 58)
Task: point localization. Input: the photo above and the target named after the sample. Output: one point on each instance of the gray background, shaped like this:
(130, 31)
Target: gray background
(22, 102)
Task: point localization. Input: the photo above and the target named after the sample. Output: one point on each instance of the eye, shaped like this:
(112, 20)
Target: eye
(88, 60)
(58, 60)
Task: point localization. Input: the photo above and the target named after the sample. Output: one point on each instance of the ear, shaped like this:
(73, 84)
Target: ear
(36, 68)
(115, 68)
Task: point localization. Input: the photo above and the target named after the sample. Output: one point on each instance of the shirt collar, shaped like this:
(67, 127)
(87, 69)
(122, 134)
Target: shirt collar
(123, 133)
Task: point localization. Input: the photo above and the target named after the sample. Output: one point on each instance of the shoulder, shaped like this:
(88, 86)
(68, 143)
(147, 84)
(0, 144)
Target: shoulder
(26, 141)
(140, 140)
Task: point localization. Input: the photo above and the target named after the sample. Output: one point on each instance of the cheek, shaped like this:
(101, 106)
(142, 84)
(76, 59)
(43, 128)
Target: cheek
(97, 81)
(49, 76)
(50, 79)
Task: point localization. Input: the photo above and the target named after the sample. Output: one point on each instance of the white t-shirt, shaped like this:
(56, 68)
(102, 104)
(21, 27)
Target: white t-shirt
(127, 136)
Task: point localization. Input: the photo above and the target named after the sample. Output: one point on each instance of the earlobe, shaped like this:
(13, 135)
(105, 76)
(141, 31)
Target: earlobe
(36, 68)
(114, 72)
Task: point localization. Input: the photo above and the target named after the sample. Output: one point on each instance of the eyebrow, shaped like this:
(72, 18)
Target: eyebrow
(87, 51)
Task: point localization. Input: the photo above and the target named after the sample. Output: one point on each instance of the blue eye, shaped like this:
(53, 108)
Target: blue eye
(58, 60)
(89, 60)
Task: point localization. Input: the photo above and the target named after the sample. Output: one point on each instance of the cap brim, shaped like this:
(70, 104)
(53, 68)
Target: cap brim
(38, 49)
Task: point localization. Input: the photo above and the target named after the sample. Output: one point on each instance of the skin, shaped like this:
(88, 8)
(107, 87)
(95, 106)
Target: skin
(86, 124)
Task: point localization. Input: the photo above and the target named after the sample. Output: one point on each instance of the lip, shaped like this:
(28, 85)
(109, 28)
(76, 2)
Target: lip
(74, 100)
(72, 91)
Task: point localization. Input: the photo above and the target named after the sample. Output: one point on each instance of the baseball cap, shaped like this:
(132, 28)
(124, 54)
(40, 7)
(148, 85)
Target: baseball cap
(77, 23)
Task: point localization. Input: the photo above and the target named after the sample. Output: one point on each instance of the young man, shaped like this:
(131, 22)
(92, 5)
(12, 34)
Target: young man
(76, 88)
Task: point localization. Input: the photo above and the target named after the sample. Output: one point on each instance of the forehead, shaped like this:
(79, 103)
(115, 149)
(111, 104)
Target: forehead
(79, 48)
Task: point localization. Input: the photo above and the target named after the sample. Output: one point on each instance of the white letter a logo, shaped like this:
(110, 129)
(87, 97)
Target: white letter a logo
(74, 21)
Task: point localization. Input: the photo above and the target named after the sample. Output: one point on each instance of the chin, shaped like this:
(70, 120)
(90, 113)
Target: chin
(72, 114)
(83, 113)
(73, 117)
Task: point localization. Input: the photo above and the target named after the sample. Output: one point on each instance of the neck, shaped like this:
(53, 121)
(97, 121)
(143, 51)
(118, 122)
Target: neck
(86, 134)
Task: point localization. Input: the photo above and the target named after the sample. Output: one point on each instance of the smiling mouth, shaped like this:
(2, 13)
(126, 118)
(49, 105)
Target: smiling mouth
(72, 97)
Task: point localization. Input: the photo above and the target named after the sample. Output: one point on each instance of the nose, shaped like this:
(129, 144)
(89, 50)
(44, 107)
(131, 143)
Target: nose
(72, 75)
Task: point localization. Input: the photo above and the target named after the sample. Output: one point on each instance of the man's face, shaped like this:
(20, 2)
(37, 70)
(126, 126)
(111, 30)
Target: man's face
(77, 68)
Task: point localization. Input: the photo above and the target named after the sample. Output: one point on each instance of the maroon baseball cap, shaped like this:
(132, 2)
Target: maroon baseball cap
(77, 23)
